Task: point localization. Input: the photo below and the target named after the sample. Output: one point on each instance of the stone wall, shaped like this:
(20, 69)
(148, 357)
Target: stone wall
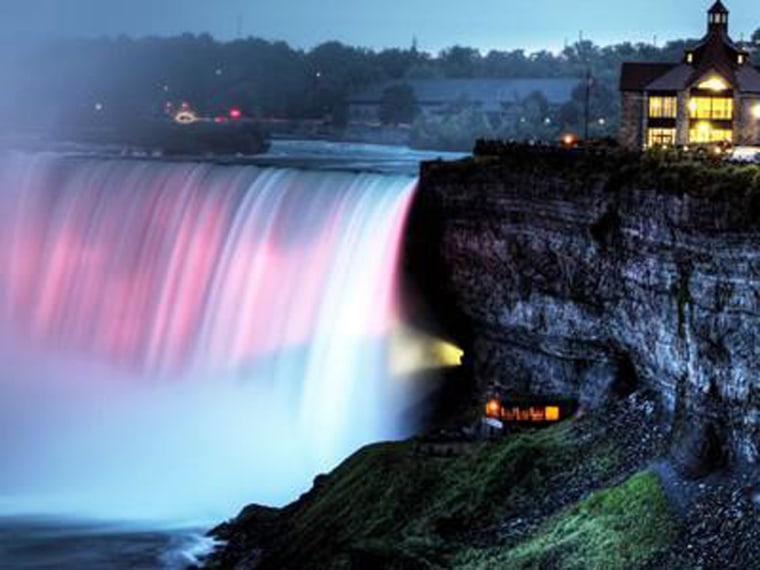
(631, 120)
(588, 289)
(748, 123)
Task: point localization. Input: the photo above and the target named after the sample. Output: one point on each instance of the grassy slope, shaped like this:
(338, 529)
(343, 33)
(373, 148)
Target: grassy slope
(616, 528)
(401, 509)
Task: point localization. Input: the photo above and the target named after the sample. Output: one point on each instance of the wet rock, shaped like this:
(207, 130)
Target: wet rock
(565, 283)
(700, 450)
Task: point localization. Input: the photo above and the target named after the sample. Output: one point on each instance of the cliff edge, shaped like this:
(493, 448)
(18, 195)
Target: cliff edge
(592, 274)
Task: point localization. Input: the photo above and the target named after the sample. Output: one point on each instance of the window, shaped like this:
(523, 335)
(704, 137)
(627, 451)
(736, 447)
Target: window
(689, 57)
(661, 137)
(741, 59)
(552, 413)
(663, 107)
(705, 133)
(714, 83)
(717, 108)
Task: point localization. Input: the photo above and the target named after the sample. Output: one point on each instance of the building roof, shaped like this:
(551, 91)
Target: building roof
(749, 79)
(675, 79)
(637, 76)
(718, 8)
(488, 93)
(716, 53)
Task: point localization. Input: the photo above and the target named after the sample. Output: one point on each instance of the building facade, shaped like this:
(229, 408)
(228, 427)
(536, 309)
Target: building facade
(434, 96)
(711, 97)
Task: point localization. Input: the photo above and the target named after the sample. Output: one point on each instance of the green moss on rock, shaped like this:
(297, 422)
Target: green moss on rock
(391, 505)
(622, 527)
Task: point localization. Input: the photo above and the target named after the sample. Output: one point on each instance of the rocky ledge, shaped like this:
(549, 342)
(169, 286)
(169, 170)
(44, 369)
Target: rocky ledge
(589, 274)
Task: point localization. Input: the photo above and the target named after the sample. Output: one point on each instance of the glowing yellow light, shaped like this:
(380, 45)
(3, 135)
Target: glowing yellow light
(537, 414)
(756, 111)
(703, 127)
(714, 84)
(741, 59)
(663, 107)
(693, 106)
(552, 413)
(413, 351)
(568, 139)
(690, 57)
(185, 117)
(493, 408)
(661, 137)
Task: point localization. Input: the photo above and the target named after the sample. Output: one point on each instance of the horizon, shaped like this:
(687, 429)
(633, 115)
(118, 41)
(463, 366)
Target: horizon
(373, 27)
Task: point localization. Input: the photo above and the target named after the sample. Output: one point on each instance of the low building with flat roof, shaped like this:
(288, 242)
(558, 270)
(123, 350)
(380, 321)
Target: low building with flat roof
(434, 96)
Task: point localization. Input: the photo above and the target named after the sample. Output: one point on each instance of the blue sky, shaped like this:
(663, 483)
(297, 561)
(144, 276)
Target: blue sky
(486, 24)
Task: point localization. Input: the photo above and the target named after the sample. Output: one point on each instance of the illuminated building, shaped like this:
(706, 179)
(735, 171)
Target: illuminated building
(711, 96)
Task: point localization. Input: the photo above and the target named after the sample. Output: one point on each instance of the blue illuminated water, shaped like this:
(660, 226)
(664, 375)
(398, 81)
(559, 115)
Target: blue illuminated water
(278, 338)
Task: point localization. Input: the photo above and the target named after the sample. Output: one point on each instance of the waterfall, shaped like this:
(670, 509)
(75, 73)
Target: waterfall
(180, 339)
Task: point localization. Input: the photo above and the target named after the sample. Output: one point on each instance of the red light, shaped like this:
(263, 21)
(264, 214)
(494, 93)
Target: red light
(235, 114)
(220, 120)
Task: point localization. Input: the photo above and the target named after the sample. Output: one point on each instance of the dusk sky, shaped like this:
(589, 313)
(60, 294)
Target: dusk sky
(487, 24)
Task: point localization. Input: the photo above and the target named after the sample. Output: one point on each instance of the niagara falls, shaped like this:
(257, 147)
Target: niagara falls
(288, 285)
(161, 318)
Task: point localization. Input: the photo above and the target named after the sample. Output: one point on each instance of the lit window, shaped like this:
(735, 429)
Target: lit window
(663, 107)
(690, 57)
(741, 59)
(718, 108)
(552, 413)
(705, 133)
(661, 137)
(714, 84)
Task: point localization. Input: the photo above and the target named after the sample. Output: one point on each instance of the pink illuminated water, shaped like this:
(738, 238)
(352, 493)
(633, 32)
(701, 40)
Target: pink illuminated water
(179, 339)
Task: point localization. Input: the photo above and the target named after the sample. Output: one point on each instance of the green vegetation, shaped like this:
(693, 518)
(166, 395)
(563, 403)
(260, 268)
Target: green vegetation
(398, 105)
(407, 509)
(616, 529)
(735, 186)
(457, 128)
(136, 77)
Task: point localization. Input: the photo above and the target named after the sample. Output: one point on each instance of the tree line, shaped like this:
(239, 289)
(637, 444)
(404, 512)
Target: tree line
(120, 79)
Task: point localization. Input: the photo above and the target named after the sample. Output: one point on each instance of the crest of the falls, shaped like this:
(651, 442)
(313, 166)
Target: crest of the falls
(179, 339)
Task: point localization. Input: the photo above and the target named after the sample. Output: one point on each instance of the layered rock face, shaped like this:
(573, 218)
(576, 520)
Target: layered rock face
(590, 286)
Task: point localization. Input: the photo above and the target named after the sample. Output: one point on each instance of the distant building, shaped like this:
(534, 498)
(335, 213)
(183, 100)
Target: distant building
(492, 96)
(711, 96)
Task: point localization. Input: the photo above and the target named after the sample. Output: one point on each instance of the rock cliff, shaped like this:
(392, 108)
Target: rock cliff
(581, 275)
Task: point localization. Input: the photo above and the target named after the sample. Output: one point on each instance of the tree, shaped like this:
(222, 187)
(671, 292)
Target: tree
(460, 61)
(398, 105)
